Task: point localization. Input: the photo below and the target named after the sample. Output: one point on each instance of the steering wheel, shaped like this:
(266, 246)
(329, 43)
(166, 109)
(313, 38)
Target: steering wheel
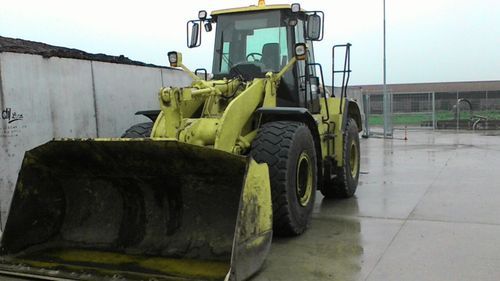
(253, 56)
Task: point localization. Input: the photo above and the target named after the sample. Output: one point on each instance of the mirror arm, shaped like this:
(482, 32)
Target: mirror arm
(189, 72)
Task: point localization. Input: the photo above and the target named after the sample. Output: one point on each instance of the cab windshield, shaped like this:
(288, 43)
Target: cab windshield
(251, 42)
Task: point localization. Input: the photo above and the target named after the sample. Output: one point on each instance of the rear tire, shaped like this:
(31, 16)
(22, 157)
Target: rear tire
(346, 181)
(288, 149)
(141, 130)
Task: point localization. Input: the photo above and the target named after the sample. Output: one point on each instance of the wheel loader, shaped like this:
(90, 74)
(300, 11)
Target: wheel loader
(199, 193)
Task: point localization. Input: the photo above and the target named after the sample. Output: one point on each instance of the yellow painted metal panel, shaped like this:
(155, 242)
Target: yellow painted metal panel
(237, 114)
(250, 9)
(255, 222)
(336, 118)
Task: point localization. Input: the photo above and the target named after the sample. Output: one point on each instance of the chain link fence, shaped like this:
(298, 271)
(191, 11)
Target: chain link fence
(432, 110)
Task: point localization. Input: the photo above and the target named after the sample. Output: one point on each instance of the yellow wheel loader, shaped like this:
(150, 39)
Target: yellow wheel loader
(198, 194)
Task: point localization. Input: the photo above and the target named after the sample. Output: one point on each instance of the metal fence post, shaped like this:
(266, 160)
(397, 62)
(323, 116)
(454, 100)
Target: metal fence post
(434, 122)
(366, 109)
(385, 102)
(390, 111)
(457, 113)
(486, 101)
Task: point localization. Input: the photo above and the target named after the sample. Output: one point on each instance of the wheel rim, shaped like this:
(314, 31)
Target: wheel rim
(304, 179)
(354, 160)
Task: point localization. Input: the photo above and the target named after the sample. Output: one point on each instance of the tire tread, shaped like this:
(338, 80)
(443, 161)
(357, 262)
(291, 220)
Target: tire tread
(271, 146)
(141, 130)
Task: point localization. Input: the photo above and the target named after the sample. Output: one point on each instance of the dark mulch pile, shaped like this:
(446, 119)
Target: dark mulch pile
(47, 51)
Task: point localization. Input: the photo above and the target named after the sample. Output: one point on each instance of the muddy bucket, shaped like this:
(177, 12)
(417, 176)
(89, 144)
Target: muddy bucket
(137, 210)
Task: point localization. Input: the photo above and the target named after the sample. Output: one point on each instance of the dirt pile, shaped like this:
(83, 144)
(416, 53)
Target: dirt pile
(47, 51)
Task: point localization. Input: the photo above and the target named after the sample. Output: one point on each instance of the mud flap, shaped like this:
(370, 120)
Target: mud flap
(137, 210)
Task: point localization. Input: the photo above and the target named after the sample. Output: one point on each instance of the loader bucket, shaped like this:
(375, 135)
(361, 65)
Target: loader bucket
(124, 209)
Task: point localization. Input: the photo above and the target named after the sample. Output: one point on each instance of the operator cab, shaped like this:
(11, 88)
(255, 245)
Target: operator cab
(252, 41)
(252, 44)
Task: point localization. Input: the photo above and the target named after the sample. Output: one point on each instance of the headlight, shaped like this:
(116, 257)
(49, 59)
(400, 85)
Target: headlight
(173, 59)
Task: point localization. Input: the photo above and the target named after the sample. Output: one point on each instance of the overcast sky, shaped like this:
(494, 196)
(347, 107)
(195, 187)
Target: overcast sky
(427, 40)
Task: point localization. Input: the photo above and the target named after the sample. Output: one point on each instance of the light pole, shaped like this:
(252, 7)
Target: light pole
(386, 101)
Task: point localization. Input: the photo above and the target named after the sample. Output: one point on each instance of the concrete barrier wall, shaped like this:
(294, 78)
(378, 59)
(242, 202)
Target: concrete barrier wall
(114, 109)
(46, 98)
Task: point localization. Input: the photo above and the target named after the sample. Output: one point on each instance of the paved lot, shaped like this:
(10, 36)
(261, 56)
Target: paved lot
(426, 209)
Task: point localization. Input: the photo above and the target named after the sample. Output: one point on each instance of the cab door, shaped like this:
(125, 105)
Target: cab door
(308, 83)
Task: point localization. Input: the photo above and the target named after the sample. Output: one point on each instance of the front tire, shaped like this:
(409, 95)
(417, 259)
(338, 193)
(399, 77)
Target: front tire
(346, 181)
(288, 149)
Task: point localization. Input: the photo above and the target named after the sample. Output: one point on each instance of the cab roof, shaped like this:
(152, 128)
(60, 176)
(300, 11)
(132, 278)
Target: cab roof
(251, 9)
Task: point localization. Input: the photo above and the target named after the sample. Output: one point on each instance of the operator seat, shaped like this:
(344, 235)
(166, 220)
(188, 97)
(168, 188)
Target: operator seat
(271, 56)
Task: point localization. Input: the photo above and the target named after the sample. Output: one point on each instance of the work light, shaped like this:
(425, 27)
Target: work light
(295, 7)
(173, 59)
(202, 15)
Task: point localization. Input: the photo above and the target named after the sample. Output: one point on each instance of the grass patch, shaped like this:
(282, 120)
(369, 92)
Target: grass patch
(417, 119)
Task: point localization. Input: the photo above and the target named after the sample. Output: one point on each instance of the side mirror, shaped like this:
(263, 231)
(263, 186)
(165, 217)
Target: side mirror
(314, 27)
(194, 35)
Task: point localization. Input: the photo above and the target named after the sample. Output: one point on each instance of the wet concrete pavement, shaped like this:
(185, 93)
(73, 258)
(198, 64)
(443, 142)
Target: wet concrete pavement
(426, 209)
